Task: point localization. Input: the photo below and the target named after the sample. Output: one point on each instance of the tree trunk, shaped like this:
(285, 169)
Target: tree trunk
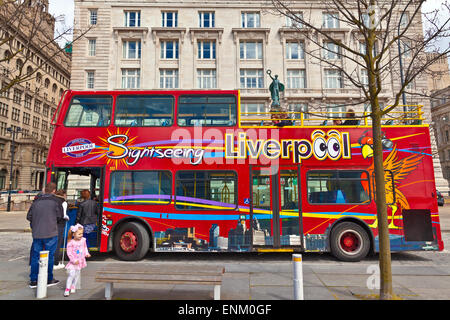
(380, 195)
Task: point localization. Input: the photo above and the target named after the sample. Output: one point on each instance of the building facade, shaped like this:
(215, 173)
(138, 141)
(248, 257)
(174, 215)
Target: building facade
(440, 110)
(31, 103)
(226, 45)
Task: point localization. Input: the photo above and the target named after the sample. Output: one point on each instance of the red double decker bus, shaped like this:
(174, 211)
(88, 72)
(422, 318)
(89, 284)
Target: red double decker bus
(187, 171)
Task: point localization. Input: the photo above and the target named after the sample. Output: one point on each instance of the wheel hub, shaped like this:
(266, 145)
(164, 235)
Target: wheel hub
(350, 242)
(128, 241)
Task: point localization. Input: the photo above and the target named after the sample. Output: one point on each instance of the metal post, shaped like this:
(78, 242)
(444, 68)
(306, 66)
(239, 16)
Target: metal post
(298, 276)
(11, 176)
(41, 291)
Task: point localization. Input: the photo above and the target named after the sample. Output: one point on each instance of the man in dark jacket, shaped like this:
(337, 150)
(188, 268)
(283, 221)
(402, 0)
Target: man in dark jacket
(44, 214)
(88, 213)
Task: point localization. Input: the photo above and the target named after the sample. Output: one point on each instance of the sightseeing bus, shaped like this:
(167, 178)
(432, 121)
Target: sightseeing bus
(190, 171)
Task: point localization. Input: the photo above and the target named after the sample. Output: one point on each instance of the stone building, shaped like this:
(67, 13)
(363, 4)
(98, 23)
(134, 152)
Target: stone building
(31, 103)
(440, 110)
(223, 44)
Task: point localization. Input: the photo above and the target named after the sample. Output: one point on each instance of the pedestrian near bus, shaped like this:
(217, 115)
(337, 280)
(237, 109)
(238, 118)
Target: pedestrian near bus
(77, 252)
(88, 212)
(61, 197)
(44, 214)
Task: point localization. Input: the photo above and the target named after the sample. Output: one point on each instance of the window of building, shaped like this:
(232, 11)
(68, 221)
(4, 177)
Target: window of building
(141, 187)
(131, 49)
(170, 19)
(15, 114)
(3, 109)
(89, 111)
(168, 78)
(296, 78)
(144, 111)
(251, 50)
(27, 102)
(364, 77)
(93, 17)
(206, 49)
(92, 44)
(206, 79)
(207, 110)
(132, 18)
(336, 111)
(331, 51)
(333, 79)
(169, 49)
(206, 19)
(404, 19)
(330, 20)
(26, 118)
(36, 122)
(37, 106)
(251, 78)
(45, 110)
(297, 109)
(253, 110)
(131, 78)
(340, 186)
(44, 125)
(206, 190)
(17, 97)
(295, 50)
(294, 22)
(406, 48)
(90, 79)
(250, 20)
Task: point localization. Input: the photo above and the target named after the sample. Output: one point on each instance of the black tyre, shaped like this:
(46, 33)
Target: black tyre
(131, 241)
(349, 242)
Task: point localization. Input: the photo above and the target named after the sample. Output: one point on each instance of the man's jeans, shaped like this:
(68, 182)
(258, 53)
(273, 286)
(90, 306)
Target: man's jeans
(38, 246)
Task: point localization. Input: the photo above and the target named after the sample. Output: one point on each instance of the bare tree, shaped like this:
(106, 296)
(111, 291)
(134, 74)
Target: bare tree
(24, 29)
(392, 46)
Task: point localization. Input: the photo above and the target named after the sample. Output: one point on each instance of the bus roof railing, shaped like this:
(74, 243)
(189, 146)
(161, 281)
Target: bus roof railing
(409, 115)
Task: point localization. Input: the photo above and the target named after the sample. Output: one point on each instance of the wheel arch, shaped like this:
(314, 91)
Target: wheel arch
(125, 220)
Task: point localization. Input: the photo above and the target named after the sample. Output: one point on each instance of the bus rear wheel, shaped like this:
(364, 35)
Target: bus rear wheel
(349, 242)
(131, 242)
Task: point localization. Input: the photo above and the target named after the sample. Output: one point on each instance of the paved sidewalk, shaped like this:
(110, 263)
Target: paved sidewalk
(256, 278)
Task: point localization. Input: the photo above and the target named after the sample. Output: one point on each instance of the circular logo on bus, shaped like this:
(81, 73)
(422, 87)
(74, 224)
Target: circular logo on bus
(78, 148)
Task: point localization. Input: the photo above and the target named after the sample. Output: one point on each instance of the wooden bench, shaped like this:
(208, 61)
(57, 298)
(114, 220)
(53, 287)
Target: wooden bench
(160, 274)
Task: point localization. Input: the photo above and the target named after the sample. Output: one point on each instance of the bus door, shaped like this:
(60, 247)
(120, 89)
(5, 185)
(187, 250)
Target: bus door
(74, 180)
(290, 205)
(265, 210)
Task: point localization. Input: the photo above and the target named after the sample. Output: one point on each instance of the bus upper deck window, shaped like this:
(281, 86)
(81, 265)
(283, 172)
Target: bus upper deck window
(144, 111)
(89, 111)
(219, 110)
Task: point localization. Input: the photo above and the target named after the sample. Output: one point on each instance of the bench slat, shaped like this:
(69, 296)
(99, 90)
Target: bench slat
(176, 269)
(156, 277)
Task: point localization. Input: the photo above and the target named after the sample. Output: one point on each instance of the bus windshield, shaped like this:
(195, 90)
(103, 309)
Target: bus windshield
(89, 111)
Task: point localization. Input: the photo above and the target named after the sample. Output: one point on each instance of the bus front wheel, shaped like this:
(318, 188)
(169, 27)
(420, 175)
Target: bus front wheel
(349, 242)
(131, 242)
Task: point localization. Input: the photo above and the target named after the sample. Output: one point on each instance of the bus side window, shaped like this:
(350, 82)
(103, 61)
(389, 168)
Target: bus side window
(338, 187)
(144, 111)
(207, 110)
(89, 111)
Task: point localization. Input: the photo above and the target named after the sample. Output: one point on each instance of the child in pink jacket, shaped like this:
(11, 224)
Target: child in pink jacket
(77, 252)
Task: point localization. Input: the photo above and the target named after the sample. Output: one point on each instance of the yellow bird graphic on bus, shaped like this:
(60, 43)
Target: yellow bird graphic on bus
(395, 170)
